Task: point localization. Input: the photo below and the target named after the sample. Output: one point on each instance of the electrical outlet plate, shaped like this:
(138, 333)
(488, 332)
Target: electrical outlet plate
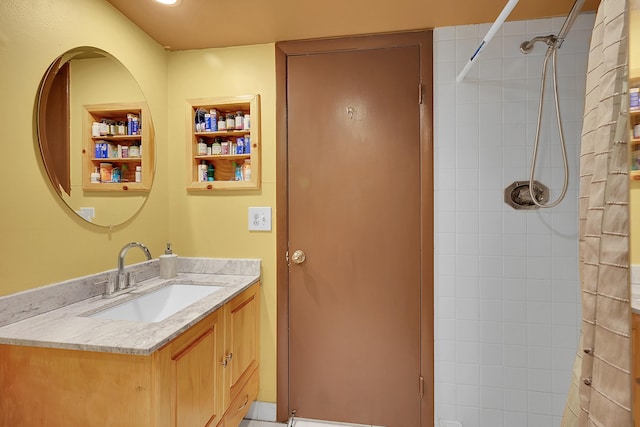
(260, 219)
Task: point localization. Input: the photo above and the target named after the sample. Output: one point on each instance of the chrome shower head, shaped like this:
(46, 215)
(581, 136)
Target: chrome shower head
(526, 47)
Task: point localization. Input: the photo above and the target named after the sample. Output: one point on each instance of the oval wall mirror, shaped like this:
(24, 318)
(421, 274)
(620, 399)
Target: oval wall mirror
(95, 136)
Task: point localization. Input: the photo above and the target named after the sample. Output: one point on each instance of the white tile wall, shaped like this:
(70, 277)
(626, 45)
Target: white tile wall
(506, 282)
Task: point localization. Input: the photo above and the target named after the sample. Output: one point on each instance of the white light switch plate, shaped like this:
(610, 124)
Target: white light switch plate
(260, 219)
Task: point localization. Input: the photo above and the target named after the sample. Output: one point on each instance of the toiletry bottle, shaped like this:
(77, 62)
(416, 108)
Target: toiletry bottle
(202, 171)
(231, 121)
(216, 148)
(116, 175)
(95, 176)
(214, 120)
(168, 269)
(239, 125)
(202, 147)
(246, 170)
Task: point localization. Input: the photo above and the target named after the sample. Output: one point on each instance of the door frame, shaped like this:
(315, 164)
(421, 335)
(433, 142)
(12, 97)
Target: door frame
(423, 39)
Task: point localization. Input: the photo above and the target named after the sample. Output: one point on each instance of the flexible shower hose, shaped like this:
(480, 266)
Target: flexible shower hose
(551, 53)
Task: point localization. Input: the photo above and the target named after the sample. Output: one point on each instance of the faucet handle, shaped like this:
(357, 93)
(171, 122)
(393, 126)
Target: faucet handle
(109, 287)
(122, 281)
(131, 279)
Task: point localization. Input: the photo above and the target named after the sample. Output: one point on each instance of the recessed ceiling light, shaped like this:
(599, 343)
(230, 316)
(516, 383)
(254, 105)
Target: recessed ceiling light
(168, 2)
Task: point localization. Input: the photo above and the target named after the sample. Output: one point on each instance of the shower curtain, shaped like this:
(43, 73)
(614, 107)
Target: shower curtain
(600, 393)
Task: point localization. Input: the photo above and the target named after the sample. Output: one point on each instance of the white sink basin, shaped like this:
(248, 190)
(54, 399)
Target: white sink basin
(158, 305)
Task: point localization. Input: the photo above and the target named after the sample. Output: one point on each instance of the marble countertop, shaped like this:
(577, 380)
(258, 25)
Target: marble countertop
(69, 327)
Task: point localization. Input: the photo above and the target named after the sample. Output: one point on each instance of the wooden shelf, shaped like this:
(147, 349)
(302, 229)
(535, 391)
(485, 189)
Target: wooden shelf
(146, 160)
(117, 160)
(115, 186)
(117, 138)
(223, 163)
(223, 133)
(224, 156)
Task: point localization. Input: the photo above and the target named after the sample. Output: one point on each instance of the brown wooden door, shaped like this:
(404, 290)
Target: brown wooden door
(354, 208)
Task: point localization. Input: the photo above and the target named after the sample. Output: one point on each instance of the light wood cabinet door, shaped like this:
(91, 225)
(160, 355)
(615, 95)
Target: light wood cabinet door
(195, 374)
(241, 340)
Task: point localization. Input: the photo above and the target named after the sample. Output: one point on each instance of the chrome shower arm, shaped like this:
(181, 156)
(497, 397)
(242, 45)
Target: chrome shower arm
(569, 21)
(550, 40)
(554, 42)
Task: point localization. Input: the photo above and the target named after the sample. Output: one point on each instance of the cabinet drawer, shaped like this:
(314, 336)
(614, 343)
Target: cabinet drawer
(241, 404)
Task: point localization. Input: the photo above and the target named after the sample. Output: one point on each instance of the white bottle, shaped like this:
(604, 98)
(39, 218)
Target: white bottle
(138, 173)
(95, 176)
(95, 129)
(168, 269)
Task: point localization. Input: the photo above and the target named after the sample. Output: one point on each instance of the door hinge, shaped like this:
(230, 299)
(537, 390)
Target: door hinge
(420, 94)
(421, 381)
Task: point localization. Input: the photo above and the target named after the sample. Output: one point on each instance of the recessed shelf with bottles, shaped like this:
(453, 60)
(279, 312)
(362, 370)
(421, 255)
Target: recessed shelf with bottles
(634, 146)
(118, 155)
(224, 143)
(634, 133)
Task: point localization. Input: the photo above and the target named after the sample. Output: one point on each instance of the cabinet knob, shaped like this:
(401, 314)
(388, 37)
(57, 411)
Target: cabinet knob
(125, 188)
(226, 360)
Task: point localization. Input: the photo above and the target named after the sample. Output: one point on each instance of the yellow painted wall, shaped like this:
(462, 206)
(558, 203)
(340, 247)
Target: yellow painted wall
(215, 224)
(41, 241)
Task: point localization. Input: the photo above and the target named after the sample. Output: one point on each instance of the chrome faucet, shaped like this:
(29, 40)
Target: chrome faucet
(123, 280)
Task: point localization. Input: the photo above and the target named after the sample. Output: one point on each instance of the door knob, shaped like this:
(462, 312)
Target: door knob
(298, 257)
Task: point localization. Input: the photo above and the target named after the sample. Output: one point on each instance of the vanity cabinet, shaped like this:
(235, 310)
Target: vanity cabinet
(226, 159)
(205, 377)
(126, 145)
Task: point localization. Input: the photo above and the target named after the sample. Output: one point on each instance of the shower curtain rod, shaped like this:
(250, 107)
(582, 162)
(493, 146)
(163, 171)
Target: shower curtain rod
(487, 38)
(577, 5)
